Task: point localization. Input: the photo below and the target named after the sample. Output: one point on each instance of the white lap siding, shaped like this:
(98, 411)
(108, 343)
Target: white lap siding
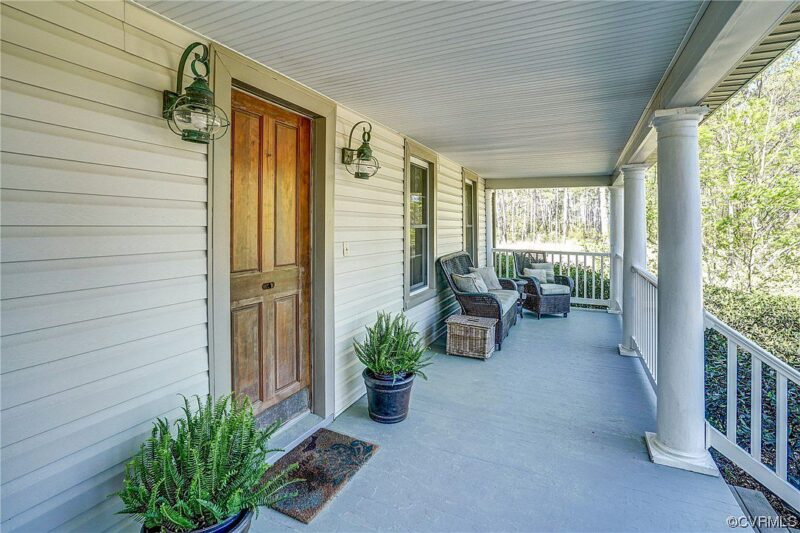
(103, 256)
(369, 222)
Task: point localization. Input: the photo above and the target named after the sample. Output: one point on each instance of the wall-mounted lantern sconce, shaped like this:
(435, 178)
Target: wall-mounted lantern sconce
(192, 114)
(360, 162)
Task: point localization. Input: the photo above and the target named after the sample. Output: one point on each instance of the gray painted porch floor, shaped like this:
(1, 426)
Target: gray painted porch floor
(546, 435)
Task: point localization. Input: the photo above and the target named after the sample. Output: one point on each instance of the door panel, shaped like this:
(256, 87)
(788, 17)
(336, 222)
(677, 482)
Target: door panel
(286, 143)
(286, 330)
(247, 325)
(270, 250)
(246, 153)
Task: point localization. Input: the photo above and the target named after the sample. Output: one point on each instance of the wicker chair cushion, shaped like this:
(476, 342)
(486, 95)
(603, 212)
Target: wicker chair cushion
(554, 288)
(489, 277)
(507, 298)
(469, 283)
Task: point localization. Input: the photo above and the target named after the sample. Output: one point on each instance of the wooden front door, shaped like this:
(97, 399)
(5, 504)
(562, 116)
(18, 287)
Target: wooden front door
(270, 250)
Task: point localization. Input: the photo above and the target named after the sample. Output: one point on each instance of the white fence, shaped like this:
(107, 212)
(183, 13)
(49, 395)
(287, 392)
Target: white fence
(591, 271)
(771, 468)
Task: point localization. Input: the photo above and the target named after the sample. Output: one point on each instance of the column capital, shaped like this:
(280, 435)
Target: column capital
(665, 116)
(636, 171)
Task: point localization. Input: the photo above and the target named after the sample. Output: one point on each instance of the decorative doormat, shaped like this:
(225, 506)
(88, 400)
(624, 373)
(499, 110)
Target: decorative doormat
(327, 461)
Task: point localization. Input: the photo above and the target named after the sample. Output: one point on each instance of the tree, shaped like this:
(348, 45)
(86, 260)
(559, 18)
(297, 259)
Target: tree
(750, 176)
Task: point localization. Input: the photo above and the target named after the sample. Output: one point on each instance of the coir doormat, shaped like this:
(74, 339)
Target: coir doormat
(327, 460)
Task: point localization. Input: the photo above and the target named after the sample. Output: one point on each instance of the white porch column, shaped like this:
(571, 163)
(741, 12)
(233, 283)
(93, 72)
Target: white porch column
(489, 216)
(615, 238)
(635, 237)
(680, 438)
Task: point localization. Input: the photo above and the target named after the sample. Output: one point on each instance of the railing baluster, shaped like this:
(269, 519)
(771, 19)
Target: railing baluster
(602, 278)
(594, 279)
(585, 268)
(730, 424)
(781, 433)
(755, 409)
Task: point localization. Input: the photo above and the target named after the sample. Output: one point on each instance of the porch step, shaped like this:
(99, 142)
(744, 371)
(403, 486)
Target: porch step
(758, 509)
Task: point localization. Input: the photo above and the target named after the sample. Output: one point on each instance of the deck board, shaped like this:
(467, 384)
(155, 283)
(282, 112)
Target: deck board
(547, 435)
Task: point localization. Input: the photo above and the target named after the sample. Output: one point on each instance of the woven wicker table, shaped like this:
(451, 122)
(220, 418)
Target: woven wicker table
(470, 336)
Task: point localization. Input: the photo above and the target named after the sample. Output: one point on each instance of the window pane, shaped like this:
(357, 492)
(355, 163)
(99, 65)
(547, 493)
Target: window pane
(419, 195)
(419, 258)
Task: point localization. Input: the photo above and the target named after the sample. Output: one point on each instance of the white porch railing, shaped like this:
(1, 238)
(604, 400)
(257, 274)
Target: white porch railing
(645, 320)
(591, 271)
(767, 458)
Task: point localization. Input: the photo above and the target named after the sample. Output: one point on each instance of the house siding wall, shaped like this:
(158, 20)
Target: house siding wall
(369, 220)
(103, 255)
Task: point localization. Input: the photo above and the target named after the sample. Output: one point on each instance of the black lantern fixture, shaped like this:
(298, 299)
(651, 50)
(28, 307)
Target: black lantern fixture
(360, 162)
(192, 114)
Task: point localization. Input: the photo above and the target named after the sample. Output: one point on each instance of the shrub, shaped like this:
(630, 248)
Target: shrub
(392, 347)
(774, 323)
(771, 321)
(211, 469)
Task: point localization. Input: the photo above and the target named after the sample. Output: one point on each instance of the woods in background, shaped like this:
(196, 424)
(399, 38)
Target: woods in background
(567, 219)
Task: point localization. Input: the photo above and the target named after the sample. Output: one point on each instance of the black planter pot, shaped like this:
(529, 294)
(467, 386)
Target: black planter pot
(239, 523)
(388, 398)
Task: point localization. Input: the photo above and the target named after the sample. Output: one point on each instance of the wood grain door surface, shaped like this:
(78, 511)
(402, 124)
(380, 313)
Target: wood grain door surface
(270, 250)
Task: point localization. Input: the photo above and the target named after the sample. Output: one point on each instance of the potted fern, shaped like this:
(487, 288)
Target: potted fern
(208, 475)
(393, 354)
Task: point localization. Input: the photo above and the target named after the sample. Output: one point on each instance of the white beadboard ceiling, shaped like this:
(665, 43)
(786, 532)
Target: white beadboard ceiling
(509, 89)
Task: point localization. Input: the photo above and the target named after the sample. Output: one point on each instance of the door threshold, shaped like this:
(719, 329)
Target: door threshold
(294, 432)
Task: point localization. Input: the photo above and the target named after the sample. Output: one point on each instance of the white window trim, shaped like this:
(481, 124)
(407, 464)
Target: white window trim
(422, 156)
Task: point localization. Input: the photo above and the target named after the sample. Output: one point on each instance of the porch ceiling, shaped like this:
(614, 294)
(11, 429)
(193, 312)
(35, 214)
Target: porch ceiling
(509, 89)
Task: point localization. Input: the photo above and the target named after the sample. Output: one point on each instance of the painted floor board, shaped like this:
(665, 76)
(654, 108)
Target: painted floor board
(547, 435)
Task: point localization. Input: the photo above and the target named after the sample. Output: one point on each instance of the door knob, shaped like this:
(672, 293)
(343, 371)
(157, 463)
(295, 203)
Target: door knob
(268, 285)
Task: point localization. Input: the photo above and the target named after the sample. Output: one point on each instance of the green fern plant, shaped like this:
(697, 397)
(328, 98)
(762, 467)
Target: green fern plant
(392, 347)
(210, 468)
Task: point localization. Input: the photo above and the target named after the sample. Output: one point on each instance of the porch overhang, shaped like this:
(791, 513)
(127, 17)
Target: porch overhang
(531, 91)
(727, 37)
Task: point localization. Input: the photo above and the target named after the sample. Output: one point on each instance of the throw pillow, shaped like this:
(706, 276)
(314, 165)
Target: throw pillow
(489, 277)
(469, 283)
(548, 268)
(537, 273)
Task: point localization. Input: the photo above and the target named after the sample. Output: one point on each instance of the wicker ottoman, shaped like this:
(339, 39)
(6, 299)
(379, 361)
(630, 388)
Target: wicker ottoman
(470, 336)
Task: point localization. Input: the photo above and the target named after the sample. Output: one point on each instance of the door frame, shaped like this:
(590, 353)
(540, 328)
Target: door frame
(231, 70)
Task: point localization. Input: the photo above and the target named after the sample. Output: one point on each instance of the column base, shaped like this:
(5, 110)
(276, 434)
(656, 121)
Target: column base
(626, 352)
(662, 455)
(613, 311)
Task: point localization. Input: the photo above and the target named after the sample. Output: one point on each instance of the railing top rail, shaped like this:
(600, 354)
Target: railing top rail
(754, 349)
(646, 275)
(562, 252)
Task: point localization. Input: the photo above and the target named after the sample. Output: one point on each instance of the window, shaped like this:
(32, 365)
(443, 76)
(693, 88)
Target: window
(420, 220)
(418, 234)
(470, 215)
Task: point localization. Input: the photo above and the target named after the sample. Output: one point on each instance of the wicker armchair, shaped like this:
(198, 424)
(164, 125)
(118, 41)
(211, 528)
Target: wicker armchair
(536, 298)
(484, 304)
